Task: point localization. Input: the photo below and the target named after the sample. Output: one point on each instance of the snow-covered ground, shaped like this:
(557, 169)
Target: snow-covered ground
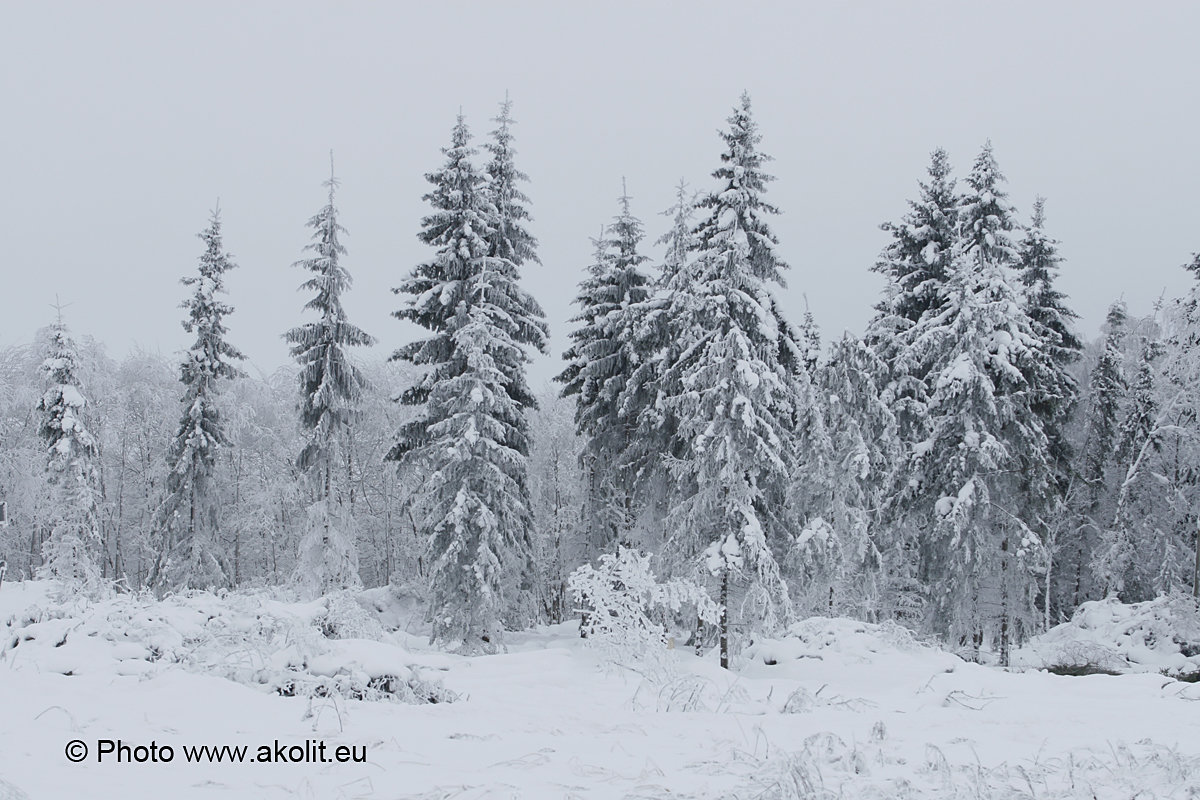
(835, 709)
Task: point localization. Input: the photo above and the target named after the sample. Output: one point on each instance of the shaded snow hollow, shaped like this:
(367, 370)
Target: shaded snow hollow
(835, 708)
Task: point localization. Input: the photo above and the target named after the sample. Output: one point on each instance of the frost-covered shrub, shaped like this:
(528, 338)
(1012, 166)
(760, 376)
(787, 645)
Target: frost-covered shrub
(623, 606)
(328, 559)
(345, 618)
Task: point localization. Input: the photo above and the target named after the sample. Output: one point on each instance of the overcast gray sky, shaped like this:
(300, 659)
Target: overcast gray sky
(121, 124)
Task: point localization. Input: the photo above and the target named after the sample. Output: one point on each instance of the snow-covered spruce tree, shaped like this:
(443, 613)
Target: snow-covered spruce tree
(470, 439)
(71, 551)
(188, 520)
(1096, 463)
(511, 241)
(598, 527)
(916, 262)
(679, 240)
(848, 563)
(1057, 391)
(653, 441)
(731, 379)
(973, 482)
(810, 340)
(606, 349)
(514, 246)
(1137, 518)
(331, 388)
(1054, 386)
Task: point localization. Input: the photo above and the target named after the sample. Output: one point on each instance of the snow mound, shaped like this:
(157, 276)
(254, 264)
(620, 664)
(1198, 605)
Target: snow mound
(396, 608)
(1155, 636)
(845, 640)
(330, 646)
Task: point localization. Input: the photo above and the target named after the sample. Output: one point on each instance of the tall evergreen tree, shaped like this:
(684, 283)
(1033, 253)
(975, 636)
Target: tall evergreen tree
(331, 389)
(1097, 463)
(514, 247)
(986, 219)
(470, 438)
(71, 551)
(678, 240)
(652, 443)
(730, 385)
(651, 438)
(965, 481)
(188, 520)
(1137, 520)
(917, 265)
(511, 241)
(972, 480)
(1057, 390)
(845, 562)
(917, 260)
(605, 351)
(1054, 387)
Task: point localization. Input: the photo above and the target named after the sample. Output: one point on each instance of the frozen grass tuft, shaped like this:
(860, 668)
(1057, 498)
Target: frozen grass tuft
(827, 767)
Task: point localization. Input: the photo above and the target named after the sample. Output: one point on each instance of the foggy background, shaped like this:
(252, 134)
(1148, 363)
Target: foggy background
(121, 124)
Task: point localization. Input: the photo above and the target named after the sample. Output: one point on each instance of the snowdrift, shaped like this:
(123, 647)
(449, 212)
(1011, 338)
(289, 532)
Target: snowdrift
(331, 646)
(1161, 635)
(843, 639)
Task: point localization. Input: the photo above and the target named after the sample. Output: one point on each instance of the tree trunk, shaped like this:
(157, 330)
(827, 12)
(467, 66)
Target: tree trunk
(1196, 573)
(1049, 572)
(725, 618)
(1079, 554)
(1004, 603)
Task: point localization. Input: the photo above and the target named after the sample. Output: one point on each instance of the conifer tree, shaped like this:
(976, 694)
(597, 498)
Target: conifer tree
(977, 554)
(331, 388)
(730, 385)
(848, 560)
(917, 265)
(605, 352)
(1139, 442)
(985, 217)
(810, 340)
(188, 520)
(1056, 388)
(678, 240)
(510, 239)
(652, 444)
(917, 261)
(470, 439)
(1105, 398)
(70, 553)
(973, 480)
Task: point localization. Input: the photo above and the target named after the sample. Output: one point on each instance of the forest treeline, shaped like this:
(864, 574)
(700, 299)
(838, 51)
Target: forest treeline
(968, 466)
